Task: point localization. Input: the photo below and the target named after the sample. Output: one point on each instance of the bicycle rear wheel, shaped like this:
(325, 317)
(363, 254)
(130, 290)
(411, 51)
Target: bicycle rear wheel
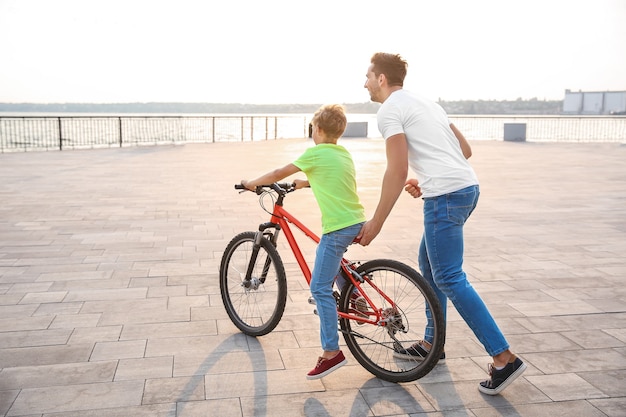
(403, 321)
(255, 306)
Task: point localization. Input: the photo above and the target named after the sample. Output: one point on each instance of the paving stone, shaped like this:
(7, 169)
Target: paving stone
(54, 309)
(612, 407)
(173, 390)
(44, 355)
(118, 350)
(34, 338)
(611, 383)
(150, 410)
(144, 368)
(54, 375)
(168, 330)
(224, 408)
(565, 387)
(77, 397)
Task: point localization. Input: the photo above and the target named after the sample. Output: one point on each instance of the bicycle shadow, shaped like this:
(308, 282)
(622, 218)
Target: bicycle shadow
(437, 389)
(399, 396)
(260, 378)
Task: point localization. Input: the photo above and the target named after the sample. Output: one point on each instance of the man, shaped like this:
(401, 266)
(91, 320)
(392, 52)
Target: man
(419, 135)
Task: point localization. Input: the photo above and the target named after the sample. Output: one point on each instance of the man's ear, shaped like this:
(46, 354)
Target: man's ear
(382, 79)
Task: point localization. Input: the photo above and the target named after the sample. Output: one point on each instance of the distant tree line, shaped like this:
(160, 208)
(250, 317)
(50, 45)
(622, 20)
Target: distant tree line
(518, 106)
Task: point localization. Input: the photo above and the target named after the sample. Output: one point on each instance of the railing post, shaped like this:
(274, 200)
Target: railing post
(242, 128)
(119, 120)
(60, 134)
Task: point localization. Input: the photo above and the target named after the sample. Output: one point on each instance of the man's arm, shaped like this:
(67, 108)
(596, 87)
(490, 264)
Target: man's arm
(465, 146)
(393, 182)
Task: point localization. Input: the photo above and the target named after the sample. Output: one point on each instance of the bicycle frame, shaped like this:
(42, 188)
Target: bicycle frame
(280, 220)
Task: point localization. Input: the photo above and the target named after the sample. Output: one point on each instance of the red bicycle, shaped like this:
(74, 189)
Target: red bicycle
(253, 286)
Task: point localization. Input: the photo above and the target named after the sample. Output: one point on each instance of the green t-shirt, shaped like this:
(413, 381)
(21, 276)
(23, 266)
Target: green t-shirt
(330, 171)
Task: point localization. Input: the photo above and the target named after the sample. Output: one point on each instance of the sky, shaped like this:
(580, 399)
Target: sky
(291, 51)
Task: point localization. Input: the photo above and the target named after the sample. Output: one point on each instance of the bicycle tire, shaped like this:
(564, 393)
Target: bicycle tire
(255, 310)
(372, 344)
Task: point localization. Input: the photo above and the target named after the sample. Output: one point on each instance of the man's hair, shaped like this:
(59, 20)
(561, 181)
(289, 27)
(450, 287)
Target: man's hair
(393, 66)
(331, 118)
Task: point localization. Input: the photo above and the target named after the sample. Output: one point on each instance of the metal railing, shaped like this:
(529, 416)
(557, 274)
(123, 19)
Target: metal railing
(60, 132)
(546, 128)
(26, 133)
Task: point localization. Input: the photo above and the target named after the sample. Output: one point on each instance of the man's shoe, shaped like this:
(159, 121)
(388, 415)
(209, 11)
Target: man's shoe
(326, 366)
(500, 379)
(416, 352)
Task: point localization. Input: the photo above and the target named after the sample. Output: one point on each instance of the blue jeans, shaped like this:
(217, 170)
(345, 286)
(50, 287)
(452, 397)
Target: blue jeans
(441, 262)
(328, 256)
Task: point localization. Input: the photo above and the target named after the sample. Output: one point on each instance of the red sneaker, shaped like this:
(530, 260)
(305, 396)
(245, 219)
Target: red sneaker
(326, 366)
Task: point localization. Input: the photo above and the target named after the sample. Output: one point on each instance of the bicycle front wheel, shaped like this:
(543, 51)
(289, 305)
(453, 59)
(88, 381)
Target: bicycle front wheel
(254, 305)
(400, 295)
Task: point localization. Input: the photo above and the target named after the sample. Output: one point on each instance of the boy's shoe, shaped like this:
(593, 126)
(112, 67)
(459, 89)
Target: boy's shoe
(326, 366)
(416, 352)
(500, 379)
(359, 305)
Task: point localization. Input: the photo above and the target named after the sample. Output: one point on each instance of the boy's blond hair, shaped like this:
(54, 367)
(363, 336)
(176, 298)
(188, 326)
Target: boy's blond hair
(331, 118)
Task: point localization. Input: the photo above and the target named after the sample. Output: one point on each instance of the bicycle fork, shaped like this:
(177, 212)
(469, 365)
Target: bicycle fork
(251, 282)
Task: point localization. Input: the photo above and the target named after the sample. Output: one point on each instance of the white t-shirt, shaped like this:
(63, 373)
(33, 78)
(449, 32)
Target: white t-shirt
(434, 151)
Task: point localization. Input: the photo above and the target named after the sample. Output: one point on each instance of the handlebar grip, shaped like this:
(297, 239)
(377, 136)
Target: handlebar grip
(240, 187)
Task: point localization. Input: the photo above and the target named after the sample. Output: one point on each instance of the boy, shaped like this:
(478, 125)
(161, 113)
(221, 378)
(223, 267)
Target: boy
(330, 174)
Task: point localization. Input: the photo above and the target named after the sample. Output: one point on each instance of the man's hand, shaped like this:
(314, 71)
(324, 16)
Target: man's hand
(412, 187)
(368, 232)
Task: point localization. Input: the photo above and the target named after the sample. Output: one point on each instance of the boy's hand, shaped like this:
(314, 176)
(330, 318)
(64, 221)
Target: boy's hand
(300, 184)
(246, 184)
(412, 187)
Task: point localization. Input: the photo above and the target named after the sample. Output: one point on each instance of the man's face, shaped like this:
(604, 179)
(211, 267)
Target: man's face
(372, 85)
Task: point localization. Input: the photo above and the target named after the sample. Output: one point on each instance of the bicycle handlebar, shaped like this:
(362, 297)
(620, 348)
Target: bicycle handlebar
(279, 187)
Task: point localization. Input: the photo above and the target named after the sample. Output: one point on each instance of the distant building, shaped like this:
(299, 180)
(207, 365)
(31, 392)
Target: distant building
(594, 102)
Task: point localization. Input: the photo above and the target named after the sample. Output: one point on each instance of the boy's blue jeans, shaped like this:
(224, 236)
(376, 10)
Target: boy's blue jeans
(441, 262)
(328, 256)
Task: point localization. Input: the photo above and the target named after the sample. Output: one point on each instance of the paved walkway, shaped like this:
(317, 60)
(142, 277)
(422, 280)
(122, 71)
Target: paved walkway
(109, 299)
